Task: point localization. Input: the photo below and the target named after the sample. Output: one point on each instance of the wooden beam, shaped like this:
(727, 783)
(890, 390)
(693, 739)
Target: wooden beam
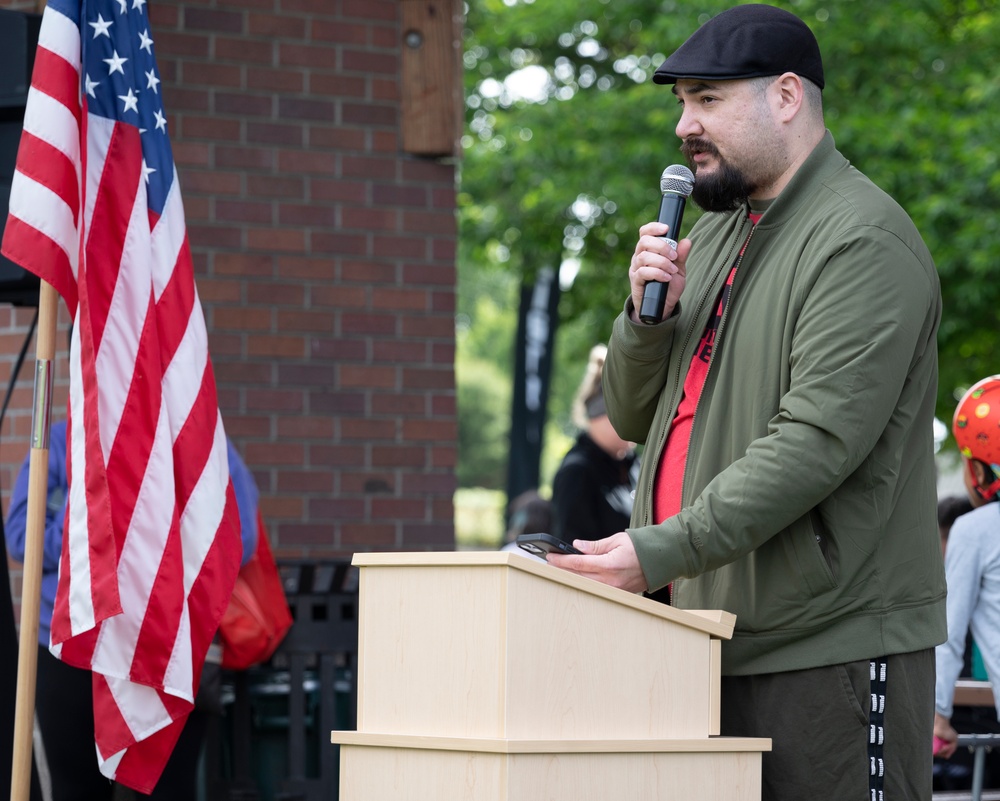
(431, 77)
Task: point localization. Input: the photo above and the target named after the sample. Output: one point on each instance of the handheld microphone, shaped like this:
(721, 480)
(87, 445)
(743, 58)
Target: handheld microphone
(676, 184)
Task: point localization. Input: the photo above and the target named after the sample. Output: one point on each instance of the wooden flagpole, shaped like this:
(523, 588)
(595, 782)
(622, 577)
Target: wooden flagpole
(31, 585)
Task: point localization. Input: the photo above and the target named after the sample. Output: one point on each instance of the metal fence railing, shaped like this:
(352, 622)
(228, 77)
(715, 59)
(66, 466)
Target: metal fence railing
(272, 741)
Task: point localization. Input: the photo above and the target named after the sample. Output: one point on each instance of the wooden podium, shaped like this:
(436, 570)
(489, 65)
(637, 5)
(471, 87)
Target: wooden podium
(489, 676)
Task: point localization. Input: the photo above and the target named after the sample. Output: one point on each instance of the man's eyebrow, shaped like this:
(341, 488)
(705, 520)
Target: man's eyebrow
(695, 88)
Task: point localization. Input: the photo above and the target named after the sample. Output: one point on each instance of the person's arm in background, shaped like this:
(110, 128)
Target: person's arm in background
(15, 528)
(246, 501)
(964, 575)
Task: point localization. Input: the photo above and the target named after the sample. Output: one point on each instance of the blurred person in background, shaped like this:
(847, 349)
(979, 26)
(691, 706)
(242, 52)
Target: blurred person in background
(972, 561)
(64, 704)
(528, 513)
(593, 489)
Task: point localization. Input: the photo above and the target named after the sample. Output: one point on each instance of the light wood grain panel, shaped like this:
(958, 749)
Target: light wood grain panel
(377, 774)
(581, 667)
(715, 687)
(386, 774)
(433, 654)
(716, 622)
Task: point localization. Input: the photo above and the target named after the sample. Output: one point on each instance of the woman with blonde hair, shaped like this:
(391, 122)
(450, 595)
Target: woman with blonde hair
(593, 489)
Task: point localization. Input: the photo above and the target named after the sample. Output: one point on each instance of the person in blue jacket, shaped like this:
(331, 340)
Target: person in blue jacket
(64, 699)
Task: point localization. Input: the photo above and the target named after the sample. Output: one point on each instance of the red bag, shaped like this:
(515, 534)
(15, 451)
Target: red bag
(257, 618)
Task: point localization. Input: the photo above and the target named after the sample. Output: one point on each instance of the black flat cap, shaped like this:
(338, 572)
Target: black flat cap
(749, 41)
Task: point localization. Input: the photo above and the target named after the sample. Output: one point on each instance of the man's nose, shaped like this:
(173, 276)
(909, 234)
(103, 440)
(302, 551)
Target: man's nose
(688, 125)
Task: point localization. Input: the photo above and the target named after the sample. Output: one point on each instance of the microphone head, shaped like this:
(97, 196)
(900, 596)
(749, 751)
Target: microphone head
(677, 179)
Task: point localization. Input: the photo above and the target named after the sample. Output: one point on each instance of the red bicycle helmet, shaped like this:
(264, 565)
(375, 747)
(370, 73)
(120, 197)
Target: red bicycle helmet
(976, 427)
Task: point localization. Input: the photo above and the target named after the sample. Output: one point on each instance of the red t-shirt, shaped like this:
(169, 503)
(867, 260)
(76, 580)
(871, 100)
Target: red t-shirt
(670, 472)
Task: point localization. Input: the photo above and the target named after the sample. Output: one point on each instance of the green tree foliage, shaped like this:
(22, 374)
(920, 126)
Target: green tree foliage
(483, 423)
(911, 98)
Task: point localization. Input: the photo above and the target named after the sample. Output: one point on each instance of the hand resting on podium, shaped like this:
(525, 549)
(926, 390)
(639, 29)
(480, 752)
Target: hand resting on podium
(611, 561)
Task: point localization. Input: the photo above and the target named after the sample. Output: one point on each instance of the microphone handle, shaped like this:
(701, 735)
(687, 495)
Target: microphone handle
(654, 294)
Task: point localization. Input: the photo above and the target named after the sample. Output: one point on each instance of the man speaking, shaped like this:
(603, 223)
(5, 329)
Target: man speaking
(786, 400)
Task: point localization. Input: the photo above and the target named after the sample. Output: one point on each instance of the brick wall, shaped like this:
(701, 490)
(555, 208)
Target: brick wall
(325, 263)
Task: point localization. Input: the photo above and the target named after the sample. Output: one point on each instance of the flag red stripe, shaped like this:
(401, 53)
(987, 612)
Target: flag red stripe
(103, 543)
(56, 77)
(217, 566)
(36, 252)
(154, 649)
(105, 245)
(223, 553)
(195, 438)
(133, 443)
(173, 309)
(114, 733)
(103, 546)
(50, 167)
(133, 770)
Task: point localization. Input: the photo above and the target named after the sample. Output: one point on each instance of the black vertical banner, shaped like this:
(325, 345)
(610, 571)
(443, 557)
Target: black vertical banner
(538, 318)
(18, 40)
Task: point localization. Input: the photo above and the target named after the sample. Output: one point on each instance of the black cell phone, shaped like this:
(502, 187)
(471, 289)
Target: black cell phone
(541, 544)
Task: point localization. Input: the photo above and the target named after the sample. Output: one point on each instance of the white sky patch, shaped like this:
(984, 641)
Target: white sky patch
(568, 271)
(491, 87)
(530, 83)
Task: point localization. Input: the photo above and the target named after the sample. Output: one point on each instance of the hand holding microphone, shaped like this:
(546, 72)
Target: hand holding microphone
(676, 184)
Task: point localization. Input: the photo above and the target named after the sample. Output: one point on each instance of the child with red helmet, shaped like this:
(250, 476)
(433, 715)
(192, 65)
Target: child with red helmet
(972, 559)
(977, 433)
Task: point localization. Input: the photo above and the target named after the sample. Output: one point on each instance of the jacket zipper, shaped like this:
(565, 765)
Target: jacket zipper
(677, 381)
(715, 347)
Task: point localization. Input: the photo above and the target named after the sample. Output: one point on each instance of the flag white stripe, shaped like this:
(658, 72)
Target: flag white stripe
(49, 120)
(141, 556)
(99, 132)
(178, 679)
(76, 532)
(36, 205)
(205, 507)
(168, 239)
(180, 391)
(60, 35)
(109, 766)
(141, 707)
(126, 317)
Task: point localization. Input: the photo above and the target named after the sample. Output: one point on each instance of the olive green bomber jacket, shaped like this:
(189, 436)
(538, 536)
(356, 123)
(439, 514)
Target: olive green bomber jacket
(809, 496)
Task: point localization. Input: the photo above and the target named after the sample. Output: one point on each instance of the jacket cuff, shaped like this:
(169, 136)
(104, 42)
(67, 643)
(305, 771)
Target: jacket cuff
(660, 554)
(635, 337)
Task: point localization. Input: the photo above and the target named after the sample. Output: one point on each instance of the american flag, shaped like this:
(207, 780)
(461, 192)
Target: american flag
(151, 545)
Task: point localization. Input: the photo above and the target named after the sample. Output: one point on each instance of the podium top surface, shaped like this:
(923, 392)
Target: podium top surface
(499, 745)
(715, 622)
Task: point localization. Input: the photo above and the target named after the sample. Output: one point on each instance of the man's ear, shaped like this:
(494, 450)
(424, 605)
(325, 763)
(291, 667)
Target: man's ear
(791, 94)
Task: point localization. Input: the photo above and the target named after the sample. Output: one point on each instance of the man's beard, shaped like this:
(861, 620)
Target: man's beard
(725, 190)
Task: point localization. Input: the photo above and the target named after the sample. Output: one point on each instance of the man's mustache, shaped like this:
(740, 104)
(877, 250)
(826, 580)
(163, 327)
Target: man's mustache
(691, 146)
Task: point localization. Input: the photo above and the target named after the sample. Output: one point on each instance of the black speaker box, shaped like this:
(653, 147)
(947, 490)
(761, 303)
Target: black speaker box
(18, 40)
